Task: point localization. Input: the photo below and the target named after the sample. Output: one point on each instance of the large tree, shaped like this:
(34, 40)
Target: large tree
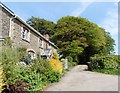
(76, 37)
(41, 25)
(81, 39)
(69, 37)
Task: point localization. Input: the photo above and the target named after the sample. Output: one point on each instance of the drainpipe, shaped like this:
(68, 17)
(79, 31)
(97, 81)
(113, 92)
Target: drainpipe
(10, 31)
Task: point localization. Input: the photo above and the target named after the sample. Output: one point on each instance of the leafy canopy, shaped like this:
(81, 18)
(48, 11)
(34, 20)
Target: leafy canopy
(76, 37)
(41, 25)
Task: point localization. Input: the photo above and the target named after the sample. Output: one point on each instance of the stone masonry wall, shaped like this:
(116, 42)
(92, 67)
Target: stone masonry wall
(4, 22)
(19, 42)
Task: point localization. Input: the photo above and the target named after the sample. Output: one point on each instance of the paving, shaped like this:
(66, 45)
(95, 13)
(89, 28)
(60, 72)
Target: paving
(78, 80)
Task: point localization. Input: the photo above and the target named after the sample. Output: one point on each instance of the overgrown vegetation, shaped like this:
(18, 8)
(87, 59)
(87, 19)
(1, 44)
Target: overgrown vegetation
(76, 37)
(55, 63)
(106, 64)
(32, 77)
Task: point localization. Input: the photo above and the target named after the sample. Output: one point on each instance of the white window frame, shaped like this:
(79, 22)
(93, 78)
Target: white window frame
(25, 34)
(41, 42)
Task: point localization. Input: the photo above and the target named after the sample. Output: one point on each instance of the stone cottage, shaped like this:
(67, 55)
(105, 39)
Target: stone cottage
(23, 35)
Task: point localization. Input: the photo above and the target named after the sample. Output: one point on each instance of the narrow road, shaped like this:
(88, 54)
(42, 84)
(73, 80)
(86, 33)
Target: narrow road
(77, 80)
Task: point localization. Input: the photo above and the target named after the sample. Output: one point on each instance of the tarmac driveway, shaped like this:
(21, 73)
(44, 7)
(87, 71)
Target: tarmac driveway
(78, 80)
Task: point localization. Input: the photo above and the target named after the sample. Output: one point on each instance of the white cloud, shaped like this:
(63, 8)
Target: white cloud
(82, 8)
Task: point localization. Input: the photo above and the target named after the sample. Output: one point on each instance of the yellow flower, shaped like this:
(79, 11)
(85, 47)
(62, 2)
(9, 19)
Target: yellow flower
(56, 65)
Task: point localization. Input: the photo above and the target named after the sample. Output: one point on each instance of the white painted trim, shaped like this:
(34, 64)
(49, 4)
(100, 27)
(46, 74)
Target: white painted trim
(29, 49)
(7, 9)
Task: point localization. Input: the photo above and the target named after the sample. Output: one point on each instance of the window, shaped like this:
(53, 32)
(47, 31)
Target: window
(49, 46)
(25, 34)
(40, 42)
(32, 54)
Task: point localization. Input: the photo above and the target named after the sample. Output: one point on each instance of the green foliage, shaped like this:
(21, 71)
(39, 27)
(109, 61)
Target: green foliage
(69, 37)
(79, 38)
(41, 66)
(72, 64)
(9, 60)
(108, 71)
(54, 77)
(35, 75)
(55, 55)
(41, 25)
(23, 55)
(70, 59)
(105, 63)
(32, 80)
(7, 42)
(76, 37)
(22, 52)
(109, 47)
(62, 60)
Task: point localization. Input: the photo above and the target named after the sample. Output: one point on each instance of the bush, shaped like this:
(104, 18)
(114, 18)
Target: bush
(9, 60)
(45, 72)
(54, 77)
(105, 63)
(71, 64)
(41, 66)
(32, 77)
(56, 65)
(55, 55)
(23, 55)
(7, 42)
(70, 59)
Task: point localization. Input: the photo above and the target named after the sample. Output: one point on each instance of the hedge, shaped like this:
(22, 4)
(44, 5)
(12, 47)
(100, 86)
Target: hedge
(105, 62)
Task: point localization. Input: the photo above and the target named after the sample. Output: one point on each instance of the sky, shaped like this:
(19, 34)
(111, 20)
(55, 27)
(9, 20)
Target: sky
(104, 14)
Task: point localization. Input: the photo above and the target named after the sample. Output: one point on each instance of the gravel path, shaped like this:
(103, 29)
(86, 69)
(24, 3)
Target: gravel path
(77, 80)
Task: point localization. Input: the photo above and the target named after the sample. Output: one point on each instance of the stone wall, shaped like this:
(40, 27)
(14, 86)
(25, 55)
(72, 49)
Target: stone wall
(4, 22)
(19, 42)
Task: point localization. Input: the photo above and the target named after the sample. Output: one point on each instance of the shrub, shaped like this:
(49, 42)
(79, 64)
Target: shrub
(7, 42)
(18, 87)
(55, 55)
(70, 59)
(71, 64)
(23, 55)
(32, 79)
(62, 60)
(54, 77)
(105, 63)
(41, 66)
(56, 65)
(9, 63)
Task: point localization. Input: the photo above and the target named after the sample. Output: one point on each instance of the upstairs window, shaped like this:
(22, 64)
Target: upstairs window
(40, 43)
(25, 34)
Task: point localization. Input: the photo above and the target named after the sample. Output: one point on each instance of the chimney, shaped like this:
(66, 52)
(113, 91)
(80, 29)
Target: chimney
(47, 37)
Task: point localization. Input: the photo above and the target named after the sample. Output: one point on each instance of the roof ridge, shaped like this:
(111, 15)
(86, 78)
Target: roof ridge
(2, 5)
(20, 19)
